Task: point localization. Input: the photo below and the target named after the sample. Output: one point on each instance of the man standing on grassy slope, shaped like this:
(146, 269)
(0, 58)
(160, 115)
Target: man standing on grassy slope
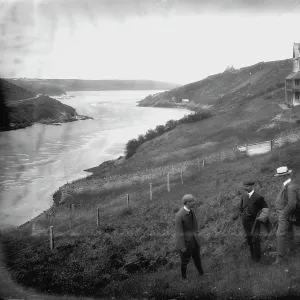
(252, 207)
(187, 240)
(287, 208)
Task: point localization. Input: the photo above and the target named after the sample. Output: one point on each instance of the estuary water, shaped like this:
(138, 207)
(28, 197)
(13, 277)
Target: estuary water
(37, 160)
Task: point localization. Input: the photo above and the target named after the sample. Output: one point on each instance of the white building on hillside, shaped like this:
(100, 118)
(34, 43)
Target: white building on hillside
(292, 82)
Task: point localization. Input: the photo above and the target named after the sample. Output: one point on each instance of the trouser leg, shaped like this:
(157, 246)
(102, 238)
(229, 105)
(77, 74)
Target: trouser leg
(247, 225)
(184, 258)
(256, 245)
(197, 259)
(250, 245)
(284, 234)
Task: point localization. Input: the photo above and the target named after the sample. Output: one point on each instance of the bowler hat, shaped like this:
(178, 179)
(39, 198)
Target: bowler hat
(282, 171)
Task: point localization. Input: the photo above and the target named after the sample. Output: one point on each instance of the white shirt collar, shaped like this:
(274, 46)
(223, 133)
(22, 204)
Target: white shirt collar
(186, 208)
(250, 194)
(286, 182)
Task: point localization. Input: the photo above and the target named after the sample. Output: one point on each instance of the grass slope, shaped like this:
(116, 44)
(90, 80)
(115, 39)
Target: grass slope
(231, 85)
(247, 121)
(11, 92)
(131, 254)
(38, 86)
(94, 85)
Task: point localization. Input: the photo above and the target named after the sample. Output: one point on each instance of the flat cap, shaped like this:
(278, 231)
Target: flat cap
(249, 182)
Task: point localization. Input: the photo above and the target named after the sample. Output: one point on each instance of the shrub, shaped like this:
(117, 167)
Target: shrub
(131, 147)
(133, 144)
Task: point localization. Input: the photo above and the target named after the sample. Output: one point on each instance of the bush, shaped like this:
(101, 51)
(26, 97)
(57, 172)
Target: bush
(133, 144)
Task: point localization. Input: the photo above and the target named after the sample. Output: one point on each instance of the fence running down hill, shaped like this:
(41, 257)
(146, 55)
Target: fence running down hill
(171, 175)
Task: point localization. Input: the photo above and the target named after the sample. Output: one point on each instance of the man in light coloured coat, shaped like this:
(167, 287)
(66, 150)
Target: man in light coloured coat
(286, 203)
(187, 240)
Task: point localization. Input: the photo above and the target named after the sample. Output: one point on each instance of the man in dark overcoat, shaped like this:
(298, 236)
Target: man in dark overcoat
(187, 240)
(252, 207)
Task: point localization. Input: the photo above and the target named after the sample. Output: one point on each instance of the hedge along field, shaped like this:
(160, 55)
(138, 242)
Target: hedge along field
(133, 144)
(131, 253)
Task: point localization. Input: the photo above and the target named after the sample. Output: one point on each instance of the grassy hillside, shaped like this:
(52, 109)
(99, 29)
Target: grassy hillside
(248, 121)
(38, 86)
(22, 108)
(131, 254)
(59, 86)
(110, 85)
(11, 92)
(229, 86)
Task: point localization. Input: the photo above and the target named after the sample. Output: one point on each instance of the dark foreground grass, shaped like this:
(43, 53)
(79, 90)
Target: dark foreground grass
(131, 254)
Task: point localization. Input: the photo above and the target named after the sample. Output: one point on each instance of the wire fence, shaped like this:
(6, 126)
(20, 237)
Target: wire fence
(171, 176)
(150, 192)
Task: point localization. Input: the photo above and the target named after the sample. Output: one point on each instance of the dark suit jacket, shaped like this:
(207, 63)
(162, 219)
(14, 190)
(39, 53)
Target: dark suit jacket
(182, 234)
(251, 206)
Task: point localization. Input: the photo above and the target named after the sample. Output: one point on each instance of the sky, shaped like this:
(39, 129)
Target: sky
(177, 41)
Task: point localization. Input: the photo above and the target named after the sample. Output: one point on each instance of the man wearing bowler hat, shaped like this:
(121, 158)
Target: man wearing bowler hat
(255, 212)
(286, 205)
(187, 240)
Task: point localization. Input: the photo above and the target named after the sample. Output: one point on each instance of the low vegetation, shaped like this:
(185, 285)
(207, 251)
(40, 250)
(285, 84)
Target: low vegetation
(131, 254)
(133, 144)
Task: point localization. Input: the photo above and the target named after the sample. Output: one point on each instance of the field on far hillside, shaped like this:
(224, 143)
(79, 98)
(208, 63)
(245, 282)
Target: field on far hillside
(131, 254)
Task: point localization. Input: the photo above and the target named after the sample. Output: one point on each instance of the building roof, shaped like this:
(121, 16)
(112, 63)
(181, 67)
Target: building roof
(294, 75)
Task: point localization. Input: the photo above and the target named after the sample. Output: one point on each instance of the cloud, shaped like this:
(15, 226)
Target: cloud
(141, 38)
(122, 9)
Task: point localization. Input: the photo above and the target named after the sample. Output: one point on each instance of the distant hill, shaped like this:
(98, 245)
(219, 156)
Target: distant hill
(59, 86)
(21, 108)
(12, 92)
(38, 86)
(229, 86)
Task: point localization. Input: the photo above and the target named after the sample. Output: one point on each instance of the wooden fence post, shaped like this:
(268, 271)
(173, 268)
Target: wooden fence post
(181, 174)
(73, 208)
(127, 197)
(168, 182)
(198, 164)
(51, 238)
(98, 217)
(150, 191)
(203, 163)
(272, 144)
